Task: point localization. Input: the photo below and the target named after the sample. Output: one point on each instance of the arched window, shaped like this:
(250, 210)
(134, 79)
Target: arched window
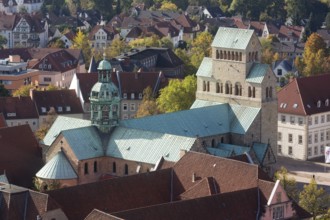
(95, 166)
(221, 54)
(222, 139)
(229, 57)
(217, 90)
(86, 168)
(249, 91)
(227, 88)
(233, 55)
(249, 56)
(252, 56)
(254, 92)
(240, 56)
(236, 56)
(221, 87)
(126, 169)
(217, 55)
(204, 86)
(208, 86)
(256, 56)
(266, 92)
(213, 143)
(114, 167)
(225, 55)
(231, 89)
(240, 90)
(270, 92)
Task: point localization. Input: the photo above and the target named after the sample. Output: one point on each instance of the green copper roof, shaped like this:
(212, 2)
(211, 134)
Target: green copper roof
(57, 168)
(3, 178)
(260, 150)
(85, 142)
(205, 69)
(198, 103)
(257, 73)
(104, 65)
(238, 150)
(219, 152)
(146, 146)
(241, 118)
(232, 38)
(63, 123)
(202, 122)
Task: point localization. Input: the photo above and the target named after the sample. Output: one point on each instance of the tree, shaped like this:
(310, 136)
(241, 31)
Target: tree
(166, 42)
(23, 90)
(152, 41)
(299, 64)
(168, 6)
(296, 10)
(313, 199)
(43, 129)
(201, 47)
(3, 91)
(117, 47)
(148, 105)
(178, 95)
(56, 43)
(80, 41)
(3, 41)
(189, 69)
(289, 183)
(327, 21)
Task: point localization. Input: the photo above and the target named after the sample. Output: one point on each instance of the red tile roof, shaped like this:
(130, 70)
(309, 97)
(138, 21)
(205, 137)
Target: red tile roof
(19, 148)
(302, 95)
(290, 32)
(205, 187)
(63, 101)
(18, 108)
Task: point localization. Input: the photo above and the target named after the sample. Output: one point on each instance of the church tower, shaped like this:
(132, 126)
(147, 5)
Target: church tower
(105, 99)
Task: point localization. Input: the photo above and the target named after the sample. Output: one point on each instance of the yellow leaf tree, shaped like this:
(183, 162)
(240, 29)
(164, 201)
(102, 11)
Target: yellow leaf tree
(80, 41)
(168, 6)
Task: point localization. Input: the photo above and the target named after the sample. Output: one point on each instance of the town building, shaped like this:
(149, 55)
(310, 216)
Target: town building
(101, 36)
(16, 6)
(235, 108)
(304, 118)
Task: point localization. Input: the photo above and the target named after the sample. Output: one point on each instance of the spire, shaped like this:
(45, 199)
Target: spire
(92, 65)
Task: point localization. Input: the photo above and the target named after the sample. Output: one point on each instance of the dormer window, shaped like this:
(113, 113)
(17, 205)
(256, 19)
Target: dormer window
(132, 96)
(125, 95)
(140, 95)
(68, 108)
(319, 103)
(327, 102)
(59, 109)
(43, 109)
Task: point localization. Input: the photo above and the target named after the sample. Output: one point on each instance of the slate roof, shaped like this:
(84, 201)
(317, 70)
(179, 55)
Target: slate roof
(257, 73)
(300, 97)
(285, 64)
(18, 108)
(21, 203)
(16, 153)
(58, 168)
(63, 101)
(232, 38)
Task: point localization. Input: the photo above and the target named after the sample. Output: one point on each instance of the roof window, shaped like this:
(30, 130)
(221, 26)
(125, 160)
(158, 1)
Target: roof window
(43, 109)
(319, 103)
(68, 108)
(295, 105)
(327, 102)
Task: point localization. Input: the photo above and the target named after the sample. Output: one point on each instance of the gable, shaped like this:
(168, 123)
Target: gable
(232, 38)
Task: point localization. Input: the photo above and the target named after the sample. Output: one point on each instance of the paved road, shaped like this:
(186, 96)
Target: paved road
(303, 171)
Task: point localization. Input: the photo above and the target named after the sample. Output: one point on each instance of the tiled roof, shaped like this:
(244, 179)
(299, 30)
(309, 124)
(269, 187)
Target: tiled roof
(232, 38)
(127, 144)
(115, 194)
(86, 83)
(63, 101)
(205, 69)
(97, 214)
(22, 203)
(219, 152)
(7, 22)
(204, 187)
(257, 73)
(58, 168)
(199, 103)
(110, 31)
(16, 153)
(3, 122)
(302, 95)
(63, 123)
(291, 32)
(18, 108)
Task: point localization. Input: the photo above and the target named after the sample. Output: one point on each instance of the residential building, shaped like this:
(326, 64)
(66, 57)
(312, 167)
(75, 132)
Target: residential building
(101, 36)
(19, 111)
(235, 108)
(304, 118)
(283, 67)
(198, 186)
(15, 6)
(56, 102)
(20, 155)
(291, 33)
(23, 203)
(288, 50)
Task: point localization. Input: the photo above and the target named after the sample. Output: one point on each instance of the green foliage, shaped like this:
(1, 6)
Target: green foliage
(3, 41)
(296, 9)
(152, 41)
(23, 90)
(3, 91)
(289, 184)
(43, 129)
(178, 95)
(327, 21)
(43, 186)
(189, 69)
(56, 43)
(201, 47)
(313, 199)
(148, 105)
(168, 6)
(81, 41)
(117, 47)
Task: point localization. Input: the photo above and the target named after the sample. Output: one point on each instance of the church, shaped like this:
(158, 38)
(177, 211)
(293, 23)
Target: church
(235, 113)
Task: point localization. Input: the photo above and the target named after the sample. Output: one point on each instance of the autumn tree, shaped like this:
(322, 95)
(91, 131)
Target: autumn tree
(3, 91)
(296, 10)
(189, 69)
(148, 105)
(43, 129)
(80, 41)
(289, 183)
(23, 90)
(299, 64)
(201, 47)
(56, 43)
(116, 48)
(178, 95)
(313, 199)
(168, 6)
(152, 41)
(314, 55)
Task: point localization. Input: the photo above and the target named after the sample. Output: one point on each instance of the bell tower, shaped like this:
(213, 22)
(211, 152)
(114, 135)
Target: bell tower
(105, 99)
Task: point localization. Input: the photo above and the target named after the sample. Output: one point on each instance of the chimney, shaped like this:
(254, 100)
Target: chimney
(182, 153)
(31, 93)
(193, 178)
